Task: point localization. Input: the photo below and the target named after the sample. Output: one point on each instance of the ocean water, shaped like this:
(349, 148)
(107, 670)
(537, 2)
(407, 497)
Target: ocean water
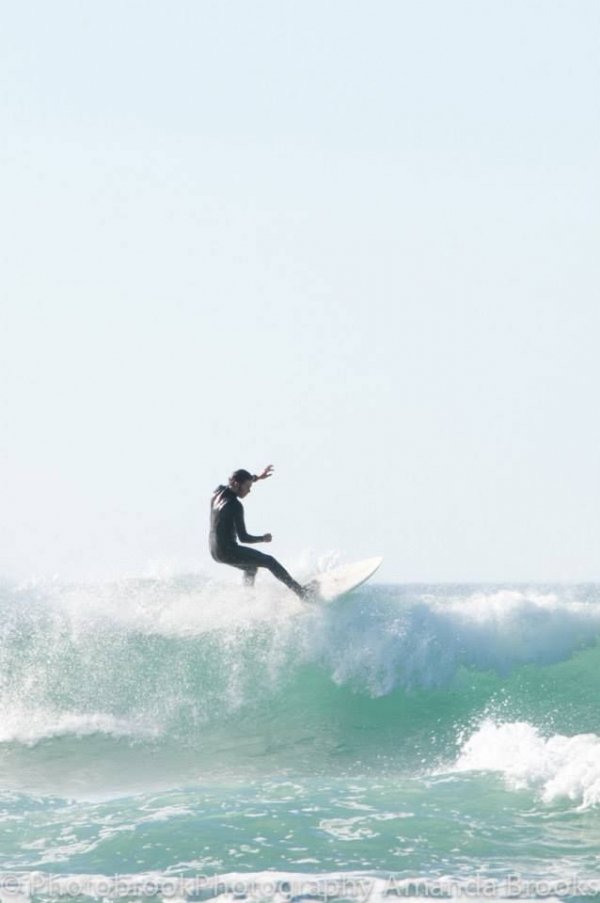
(184, 739)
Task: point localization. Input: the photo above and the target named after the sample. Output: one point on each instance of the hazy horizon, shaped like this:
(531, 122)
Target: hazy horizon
(355, 241)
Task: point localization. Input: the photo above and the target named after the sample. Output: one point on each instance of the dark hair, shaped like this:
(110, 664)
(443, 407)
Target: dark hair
(240, 476)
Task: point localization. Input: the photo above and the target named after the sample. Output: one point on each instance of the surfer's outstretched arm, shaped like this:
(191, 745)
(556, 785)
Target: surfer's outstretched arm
(267, 472)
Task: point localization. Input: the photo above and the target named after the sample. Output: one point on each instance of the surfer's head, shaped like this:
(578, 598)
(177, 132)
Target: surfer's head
(241, 482)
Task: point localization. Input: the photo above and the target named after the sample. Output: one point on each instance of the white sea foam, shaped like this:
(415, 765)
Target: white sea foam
(29, 725)
(558, 767)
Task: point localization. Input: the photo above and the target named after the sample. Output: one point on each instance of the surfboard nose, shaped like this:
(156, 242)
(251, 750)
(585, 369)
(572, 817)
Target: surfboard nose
(341, 580)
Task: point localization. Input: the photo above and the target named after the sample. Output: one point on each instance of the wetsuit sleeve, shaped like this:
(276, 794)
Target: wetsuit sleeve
(240, 526)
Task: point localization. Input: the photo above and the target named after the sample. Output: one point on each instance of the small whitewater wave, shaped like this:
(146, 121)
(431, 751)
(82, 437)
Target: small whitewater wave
(557, 767)
(28, 726)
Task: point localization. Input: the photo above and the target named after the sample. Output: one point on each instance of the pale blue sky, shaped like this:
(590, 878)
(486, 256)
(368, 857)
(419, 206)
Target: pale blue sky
(357, 240)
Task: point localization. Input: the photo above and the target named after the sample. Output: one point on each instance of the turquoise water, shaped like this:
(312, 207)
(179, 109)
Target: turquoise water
(183, 739)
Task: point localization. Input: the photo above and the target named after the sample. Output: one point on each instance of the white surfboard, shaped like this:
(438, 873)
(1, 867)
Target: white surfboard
(339, 581)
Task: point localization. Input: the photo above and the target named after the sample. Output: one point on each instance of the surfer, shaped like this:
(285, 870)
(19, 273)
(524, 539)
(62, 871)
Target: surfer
(227, 526)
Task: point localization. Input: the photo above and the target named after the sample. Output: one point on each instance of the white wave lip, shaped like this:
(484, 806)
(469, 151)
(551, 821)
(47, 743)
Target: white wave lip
(425, 643)
(559, 767)
(523, 626)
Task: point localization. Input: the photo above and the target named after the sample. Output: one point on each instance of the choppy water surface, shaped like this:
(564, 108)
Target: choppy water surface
(416, 739)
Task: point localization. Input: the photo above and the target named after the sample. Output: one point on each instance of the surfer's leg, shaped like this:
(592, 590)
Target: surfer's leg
(251, 559)
(280, 572)
(249, 575)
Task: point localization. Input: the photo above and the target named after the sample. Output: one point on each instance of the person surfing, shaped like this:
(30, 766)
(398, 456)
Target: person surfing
(227, 526)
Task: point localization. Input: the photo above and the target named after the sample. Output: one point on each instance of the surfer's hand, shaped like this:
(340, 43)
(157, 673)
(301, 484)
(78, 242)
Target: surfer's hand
(267, 472)
(267, 537)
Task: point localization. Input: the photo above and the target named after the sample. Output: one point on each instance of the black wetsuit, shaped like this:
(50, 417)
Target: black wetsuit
(226, 527)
